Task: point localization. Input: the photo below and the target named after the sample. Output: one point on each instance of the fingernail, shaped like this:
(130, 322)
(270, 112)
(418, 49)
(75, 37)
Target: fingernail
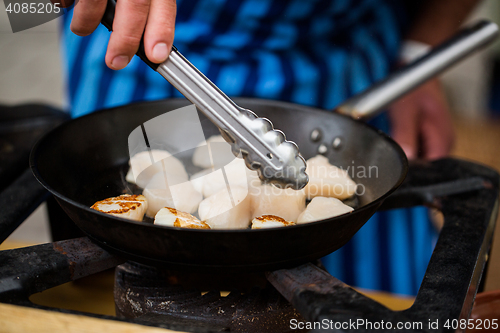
(160, 52)
(119, 62)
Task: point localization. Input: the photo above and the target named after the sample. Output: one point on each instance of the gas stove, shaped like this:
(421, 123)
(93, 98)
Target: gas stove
(148, 298)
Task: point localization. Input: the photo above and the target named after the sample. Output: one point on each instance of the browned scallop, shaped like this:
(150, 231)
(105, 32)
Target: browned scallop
(175, 218)
(270, 221)
(128, 206)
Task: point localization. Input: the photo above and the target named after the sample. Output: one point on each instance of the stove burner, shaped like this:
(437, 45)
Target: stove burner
(161, 296)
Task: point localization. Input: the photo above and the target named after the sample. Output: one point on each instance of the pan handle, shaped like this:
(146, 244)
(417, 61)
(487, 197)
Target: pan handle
(371, 101)
(428, 183)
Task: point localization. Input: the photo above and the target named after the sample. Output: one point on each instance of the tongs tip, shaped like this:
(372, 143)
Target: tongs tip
(292, 175)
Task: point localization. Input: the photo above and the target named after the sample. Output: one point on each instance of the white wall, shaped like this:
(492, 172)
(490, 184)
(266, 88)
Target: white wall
(30, 69)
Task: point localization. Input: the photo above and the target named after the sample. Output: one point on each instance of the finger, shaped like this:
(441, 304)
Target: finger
(128, 27)
(404, 118)
(159, 35)
(87, 16)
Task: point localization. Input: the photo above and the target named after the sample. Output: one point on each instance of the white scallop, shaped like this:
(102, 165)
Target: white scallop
(146, 164)
(224, 210)
(270, 200)
(321, 208)
(214, 153)
(326, 180)
(181, 196)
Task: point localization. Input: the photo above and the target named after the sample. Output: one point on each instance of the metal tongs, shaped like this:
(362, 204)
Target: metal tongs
(263, 148)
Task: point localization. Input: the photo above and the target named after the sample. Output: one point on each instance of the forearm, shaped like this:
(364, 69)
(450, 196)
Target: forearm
(439, 19)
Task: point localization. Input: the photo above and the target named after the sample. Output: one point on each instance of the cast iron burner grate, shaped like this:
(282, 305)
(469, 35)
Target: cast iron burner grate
(159, 296)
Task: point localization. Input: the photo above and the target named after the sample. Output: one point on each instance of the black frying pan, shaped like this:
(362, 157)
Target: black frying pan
(84, 161)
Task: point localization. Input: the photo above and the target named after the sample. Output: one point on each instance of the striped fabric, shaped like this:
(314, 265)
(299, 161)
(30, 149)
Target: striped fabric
(311, 52)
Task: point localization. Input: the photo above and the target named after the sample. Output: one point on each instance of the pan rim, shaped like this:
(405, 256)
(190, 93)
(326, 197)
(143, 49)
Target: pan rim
(304, 108)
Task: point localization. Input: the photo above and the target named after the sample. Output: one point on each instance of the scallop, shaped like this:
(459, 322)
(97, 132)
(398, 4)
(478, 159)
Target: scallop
(213, 153)
(326, 180)
(321, 208)
(270, 200)
(168, 191)
(198, 179)
(270, 221)
(130, 207)
(233, 174)
(146, 164)
(227, 209)
(175, 218)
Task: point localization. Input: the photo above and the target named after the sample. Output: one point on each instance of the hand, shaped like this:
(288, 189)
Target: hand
(154, 18)
(421, 122)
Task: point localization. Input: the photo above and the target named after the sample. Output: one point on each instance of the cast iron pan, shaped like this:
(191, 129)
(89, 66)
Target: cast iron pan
(84, 161)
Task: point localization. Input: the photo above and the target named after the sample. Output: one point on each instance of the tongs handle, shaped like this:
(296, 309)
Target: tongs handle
(369, 102)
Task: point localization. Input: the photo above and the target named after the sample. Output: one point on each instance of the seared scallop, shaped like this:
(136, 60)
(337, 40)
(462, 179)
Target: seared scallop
(227, 209)
(321, 208)
(174, 218)
(130, 207)
(270, 200)
(326, 180)
(270, 221)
